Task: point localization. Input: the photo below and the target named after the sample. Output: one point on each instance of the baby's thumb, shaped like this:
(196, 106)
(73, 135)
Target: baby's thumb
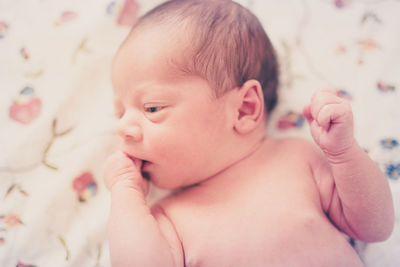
(143, 182)
(121, 168)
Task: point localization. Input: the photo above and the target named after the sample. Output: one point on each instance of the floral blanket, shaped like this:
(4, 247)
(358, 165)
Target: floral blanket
(57, 122)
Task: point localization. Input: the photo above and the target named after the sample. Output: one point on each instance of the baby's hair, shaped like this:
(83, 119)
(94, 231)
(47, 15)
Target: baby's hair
(228, 44)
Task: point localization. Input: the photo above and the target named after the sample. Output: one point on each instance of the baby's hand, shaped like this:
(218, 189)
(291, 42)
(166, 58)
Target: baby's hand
(120, 168)
(331, 122)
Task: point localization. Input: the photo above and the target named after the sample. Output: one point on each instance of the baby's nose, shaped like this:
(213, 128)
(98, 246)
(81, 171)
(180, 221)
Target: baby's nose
(130, 133)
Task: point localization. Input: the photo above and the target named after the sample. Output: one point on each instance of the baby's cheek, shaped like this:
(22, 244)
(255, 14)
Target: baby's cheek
(162, 144)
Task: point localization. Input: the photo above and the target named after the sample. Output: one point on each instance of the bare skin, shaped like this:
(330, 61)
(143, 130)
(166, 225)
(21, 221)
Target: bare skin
(265, 211)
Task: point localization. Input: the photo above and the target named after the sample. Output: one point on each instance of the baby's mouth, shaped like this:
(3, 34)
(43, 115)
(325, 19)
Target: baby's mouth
(144, 163)
(145, 174)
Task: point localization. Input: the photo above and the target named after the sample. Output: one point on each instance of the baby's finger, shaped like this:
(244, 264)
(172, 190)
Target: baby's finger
(137, 162)
(120, 167)
(327, 116)
(316, 131)
(335, 114)
(145, 184)
(322, 98)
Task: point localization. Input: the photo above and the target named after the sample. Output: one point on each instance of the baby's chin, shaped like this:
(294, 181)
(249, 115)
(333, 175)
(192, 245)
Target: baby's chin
(165, 185)
(166, 182)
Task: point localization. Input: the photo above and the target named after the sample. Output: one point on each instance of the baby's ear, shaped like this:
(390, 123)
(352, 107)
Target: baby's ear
(250, 107)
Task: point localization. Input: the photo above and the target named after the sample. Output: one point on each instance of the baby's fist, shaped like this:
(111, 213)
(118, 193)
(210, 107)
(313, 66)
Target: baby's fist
(331, 122)
(120, 168)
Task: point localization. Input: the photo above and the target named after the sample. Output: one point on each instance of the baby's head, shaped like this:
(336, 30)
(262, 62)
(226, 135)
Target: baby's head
(224, 43)
(189, 83)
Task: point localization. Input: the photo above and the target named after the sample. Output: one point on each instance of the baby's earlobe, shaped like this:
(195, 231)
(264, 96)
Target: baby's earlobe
(245, 126)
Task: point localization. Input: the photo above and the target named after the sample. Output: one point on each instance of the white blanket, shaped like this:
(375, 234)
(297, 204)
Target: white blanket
(56, 115)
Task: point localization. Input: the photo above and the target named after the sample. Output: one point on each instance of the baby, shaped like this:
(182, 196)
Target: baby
(194, 83)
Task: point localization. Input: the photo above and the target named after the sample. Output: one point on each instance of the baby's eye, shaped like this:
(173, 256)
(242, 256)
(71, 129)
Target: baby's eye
(153, 109)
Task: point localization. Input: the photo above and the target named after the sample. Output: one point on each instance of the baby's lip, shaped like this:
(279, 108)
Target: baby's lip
(136, 159)
(145, 163)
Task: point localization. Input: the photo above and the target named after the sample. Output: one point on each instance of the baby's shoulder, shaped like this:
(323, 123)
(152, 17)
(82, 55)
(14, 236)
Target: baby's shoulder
(300, 150)
(297, 152)
(294, 147)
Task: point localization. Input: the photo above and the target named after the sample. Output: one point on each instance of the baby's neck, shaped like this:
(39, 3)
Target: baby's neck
(242, 161)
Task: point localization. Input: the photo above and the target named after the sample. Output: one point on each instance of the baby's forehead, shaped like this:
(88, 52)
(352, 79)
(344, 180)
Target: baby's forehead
(159, 41)
(167, 34)
(148, 53)
(159, 45)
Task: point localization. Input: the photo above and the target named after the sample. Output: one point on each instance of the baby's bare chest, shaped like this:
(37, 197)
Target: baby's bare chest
(252, 223)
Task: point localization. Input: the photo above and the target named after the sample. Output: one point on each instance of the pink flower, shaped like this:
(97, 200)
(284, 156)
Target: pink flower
(26, 112)
(11, 220)
(128, 15)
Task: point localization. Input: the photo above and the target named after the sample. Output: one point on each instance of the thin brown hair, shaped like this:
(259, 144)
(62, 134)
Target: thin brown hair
(228, 44)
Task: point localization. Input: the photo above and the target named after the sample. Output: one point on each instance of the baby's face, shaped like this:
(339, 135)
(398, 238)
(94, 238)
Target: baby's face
(171, 122)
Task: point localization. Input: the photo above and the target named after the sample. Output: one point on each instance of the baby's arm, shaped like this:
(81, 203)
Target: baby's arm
(137, 235)
(358, 200)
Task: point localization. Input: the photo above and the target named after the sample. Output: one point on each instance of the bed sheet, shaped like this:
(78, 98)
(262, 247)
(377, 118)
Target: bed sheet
(56, 114)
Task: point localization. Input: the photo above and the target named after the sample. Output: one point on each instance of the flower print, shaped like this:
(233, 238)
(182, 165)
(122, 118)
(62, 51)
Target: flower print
(3, 29)
(15, 187)
(11, 220)
(393, 171)
(291, 120)
(341, 3)
(111, 8)
(85, 186)
(385, 87)
(368, 44)
(128, 15)
(114, 8)
(340, 50)
(26, 107)
(24, 53)
(64, 244)
(369, 16)
(389, 143)
(66, 16)
(343, 94)
(20, 264)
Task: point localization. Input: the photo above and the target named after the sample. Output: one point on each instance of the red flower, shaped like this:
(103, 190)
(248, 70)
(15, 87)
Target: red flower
(81, 182)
